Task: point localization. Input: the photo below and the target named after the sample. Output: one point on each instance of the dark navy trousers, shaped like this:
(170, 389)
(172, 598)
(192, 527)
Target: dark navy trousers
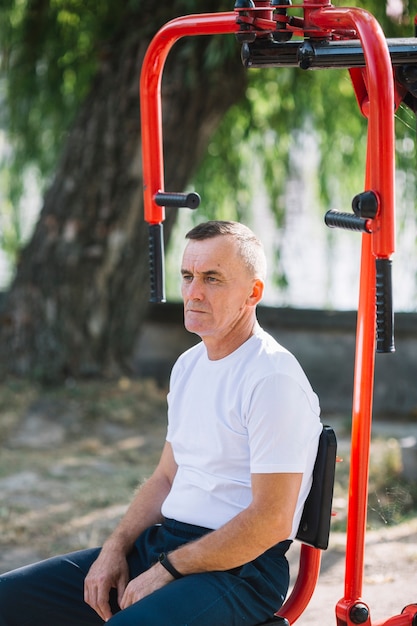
(50, 593)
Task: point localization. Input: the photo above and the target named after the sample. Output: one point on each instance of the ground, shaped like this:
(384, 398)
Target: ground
(71, 458)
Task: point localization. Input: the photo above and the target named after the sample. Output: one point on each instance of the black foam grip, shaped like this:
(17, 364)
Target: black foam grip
(156, 263)
(384, 308)
(348, 221)
(177, 200)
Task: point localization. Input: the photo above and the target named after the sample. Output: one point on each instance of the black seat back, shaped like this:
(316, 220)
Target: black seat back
(314, 528)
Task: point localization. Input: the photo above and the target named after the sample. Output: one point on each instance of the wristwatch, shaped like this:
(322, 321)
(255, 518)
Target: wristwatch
(165, 562)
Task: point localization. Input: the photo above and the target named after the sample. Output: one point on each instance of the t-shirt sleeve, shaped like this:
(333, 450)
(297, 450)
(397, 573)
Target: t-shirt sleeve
(283, 422)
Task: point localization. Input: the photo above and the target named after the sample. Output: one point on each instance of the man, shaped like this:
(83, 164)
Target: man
(204, 540)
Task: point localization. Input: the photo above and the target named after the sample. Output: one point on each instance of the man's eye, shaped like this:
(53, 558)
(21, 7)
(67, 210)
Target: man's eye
(211, 279)
(187, 278)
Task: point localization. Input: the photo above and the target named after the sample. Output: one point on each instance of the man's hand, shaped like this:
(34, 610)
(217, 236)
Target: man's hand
(145, 584)
(109, 571)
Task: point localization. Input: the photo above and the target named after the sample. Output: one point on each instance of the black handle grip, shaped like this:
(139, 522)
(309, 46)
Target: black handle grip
(384, 309)
(156, 263)
(337, 219)
(177, 200)
(365, 204)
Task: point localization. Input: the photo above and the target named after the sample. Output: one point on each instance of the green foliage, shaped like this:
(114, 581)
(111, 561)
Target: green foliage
(49, 54)
(11, 232)
(50, 51)
(252, 148)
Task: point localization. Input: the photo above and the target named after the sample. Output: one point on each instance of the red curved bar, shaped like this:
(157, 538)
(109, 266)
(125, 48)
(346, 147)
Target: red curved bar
(150, 96)
(406, 618)
(308, 573)
(380, 85)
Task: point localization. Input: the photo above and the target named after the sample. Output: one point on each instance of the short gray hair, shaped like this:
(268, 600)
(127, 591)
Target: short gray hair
(250, 247)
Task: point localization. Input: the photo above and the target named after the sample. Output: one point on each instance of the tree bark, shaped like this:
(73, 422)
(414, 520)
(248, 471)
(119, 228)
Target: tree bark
(81, 287)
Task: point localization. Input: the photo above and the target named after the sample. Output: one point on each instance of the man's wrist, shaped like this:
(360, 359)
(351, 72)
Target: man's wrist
(166, 563)
(117, 544)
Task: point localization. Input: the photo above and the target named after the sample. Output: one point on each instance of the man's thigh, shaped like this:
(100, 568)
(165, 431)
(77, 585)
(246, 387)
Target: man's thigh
(48, 593)
(216, 598)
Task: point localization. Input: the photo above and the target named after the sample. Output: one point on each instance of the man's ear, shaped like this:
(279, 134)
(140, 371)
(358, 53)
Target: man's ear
(257, 292)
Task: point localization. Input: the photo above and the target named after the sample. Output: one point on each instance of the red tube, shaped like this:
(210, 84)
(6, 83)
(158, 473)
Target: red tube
(308, 573)
(264, 14)
(361, 425)
(150, 96)
(380, 178)
(406, 618)
(380, 85)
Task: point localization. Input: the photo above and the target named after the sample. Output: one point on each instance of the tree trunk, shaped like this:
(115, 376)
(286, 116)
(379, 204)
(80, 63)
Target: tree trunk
(81, 286)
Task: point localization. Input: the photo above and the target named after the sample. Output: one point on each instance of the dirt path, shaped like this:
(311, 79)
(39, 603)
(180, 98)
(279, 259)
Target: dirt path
(390, 577)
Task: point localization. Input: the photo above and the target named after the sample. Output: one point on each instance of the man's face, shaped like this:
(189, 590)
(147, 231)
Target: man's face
(217, 289)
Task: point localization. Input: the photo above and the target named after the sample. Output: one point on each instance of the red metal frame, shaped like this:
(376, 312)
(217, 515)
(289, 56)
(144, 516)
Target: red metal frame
(376, 94)
(305, 584)
(150, 97)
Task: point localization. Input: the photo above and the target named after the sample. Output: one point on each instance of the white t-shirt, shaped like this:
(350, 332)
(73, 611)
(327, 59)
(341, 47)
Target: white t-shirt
(253, 411)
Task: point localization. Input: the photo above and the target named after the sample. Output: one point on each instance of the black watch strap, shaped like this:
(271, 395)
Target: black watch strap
(165, 562)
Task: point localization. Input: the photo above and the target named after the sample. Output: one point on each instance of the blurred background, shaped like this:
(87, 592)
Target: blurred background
(84, 359)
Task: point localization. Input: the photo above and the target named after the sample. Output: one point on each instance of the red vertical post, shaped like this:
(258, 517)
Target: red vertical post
(380, 179)
(263, 4)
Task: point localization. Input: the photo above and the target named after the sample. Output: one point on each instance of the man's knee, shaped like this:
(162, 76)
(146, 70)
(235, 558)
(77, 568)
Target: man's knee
(51, 589)
(10, 600)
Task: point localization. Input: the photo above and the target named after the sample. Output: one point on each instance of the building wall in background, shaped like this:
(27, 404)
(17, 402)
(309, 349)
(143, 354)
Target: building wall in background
(323, 342)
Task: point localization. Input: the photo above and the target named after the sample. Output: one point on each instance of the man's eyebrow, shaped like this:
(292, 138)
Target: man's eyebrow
(205, 273)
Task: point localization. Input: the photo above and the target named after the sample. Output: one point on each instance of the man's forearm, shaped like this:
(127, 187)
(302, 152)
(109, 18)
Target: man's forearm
(144, 511)
(267, 521)
(238, 542)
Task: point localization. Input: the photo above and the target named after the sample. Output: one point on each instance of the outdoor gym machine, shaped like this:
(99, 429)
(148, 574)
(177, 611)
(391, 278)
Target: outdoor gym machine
(384, 74)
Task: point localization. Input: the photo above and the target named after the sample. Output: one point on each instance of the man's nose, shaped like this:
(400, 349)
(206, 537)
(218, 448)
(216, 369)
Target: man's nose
(194, 289)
